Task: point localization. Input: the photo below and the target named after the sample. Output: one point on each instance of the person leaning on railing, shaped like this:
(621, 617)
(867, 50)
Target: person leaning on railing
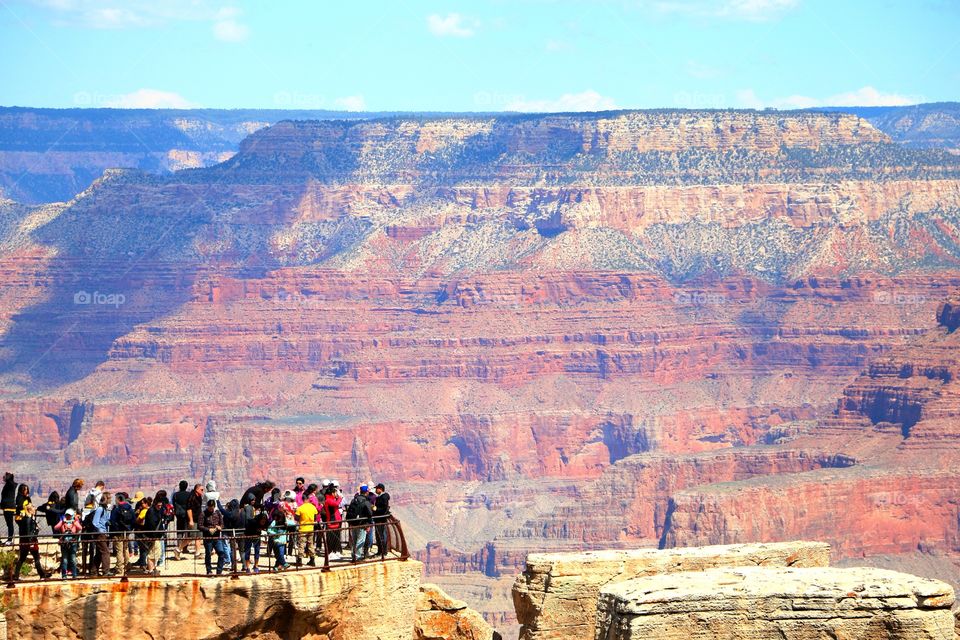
(277, 533)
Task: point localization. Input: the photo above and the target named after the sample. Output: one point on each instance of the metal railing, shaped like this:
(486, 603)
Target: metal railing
(189, 553)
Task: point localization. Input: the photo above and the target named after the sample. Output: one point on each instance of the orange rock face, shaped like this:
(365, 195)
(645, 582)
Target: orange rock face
(543, 333)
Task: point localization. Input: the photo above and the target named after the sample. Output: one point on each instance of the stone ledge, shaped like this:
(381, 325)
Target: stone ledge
(556, 596)
(769, 603)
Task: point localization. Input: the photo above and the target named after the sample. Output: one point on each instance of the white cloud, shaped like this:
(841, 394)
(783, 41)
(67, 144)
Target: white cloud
(132, 14)
(863, 97)
(753, 10)
(870, 97)
(149, 99)
(452, 25)
(351, 103)
(588, 100)
(227, 28)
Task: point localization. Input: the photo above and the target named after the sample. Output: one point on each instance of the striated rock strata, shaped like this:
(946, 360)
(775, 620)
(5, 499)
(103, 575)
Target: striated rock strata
(369, 602)
(543, 332)
(752, 603)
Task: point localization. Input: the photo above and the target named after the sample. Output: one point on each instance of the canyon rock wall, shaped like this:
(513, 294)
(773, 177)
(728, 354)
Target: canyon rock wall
(550, 333)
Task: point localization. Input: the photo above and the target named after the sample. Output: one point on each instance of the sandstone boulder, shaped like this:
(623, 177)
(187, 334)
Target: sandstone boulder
(767, 603)
(556, 596)
(440, 617)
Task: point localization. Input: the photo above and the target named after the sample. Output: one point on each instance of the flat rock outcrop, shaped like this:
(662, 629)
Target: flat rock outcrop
(763, 603)
(556, 597)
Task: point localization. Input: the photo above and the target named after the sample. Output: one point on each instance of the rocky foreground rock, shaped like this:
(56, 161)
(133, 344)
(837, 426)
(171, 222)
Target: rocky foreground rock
(556, 597)
(382, 601)
(761, 603)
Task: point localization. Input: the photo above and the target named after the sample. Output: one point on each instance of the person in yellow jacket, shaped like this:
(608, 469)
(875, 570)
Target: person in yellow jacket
(306, 516)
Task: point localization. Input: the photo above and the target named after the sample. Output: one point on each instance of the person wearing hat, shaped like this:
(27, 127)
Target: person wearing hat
(359, 518)
(69, 530)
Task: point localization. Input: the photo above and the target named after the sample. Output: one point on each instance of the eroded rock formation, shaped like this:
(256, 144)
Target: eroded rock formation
(440, 617)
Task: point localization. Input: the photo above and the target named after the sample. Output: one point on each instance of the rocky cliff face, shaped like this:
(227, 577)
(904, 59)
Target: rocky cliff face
(543, 332)
(366, 602)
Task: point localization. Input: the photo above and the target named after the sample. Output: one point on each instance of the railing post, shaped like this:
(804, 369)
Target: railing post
(233, 557)
(326, 547)
(404, 553)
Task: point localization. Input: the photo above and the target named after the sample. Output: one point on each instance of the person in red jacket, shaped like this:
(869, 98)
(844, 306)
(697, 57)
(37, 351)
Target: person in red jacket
(331, 515)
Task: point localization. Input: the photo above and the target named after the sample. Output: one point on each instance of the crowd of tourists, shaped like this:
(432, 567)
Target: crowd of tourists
(106, 533)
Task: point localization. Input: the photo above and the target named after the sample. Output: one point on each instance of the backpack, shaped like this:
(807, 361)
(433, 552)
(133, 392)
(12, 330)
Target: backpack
(124, 517)
(88, 521)
(356, 506)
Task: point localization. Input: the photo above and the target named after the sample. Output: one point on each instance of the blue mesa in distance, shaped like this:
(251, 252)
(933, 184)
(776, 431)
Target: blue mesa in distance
(526, 55)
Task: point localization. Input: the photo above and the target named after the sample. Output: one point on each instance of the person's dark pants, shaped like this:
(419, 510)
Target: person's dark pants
(182, 535)
(333, 541)
(91, 554)
(103, 552)
(8, 518)
(25, 552)
(280, 552)
(249, 544)
(383, 543)
(220, 546)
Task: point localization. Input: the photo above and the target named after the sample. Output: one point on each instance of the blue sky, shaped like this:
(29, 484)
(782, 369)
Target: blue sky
(482, 55)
